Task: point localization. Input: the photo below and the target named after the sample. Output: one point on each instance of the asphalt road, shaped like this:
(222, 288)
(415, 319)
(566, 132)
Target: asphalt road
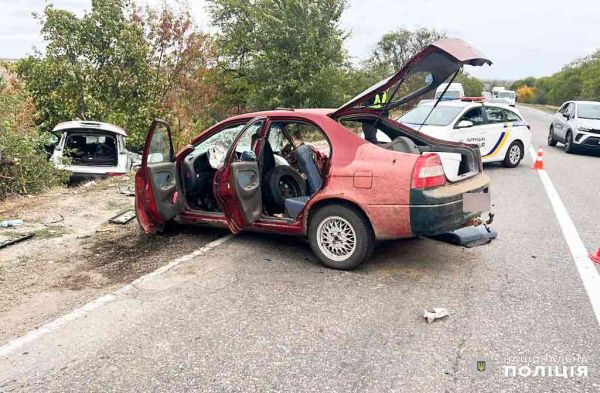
(259, 313)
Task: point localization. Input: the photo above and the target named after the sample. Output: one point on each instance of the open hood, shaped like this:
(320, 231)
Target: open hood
(433, 65)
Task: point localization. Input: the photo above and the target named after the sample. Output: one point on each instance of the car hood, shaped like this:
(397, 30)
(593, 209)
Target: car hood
(440, 59)
(589, 123)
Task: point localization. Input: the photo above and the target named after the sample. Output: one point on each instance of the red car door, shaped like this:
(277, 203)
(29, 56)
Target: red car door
(157, 185)
(237, 185)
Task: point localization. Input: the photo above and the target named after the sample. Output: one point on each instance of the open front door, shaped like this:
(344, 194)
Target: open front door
(238, 186)
(157, 196)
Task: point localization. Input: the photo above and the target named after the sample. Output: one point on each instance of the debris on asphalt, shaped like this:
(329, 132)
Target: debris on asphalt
(435, 313)
(17, 239)
(469, 237)
(53, 220)
(123, 217)
(129, 191)
(10, 223)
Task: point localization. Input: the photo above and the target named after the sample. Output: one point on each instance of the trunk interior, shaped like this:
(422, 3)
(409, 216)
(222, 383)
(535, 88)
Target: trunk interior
(91, 149)
(460, 162)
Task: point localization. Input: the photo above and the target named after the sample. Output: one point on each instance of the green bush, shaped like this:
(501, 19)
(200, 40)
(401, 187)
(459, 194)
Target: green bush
(24, 168)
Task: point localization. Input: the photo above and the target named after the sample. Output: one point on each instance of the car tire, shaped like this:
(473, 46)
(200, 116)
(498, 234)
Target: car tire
(280, 183)
(551, 140)
(351, 231)
(569, 148)
(514, 155)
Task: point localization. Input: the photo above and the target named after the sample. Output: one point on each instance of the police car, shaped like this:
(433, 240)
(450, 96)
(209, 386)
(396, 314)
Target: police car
(499, 130)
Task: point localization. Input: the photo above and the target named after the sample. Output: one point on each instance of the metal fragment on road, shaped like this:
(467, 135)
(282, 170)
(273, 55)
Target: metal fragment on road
(129, 191)
(123, 217)
(16, 239)
(435, 313)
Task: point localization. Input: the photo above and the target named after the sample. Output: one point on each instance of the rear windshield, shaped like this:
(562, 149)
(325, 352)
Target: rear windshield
(506, 94)
(441, 115)
(450, 94)
(589, 111)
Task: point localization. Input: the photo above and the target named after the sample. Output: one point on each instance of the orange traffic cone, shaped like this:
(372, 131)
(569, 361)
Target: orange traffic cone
(596, 257)
(539, 161)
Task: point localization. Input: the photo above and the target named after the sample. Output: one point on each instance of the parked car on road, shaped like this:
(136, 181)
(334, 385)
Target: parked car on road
(500, 131)
(509, 96)
(91, 149)
(307, 172)
(577, 125)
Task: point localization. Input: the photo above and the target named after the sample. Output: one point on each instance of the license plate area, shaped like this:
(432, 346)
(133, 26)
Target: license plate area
(476, 202)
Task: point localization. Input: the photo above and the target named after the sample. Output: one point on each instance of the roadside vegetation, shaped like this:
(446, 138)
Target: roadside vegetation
(125, 64)
(579, 80)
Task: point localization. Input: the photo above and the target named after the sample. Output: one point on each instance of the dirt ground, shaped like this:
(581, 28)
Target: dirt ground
(75, 255)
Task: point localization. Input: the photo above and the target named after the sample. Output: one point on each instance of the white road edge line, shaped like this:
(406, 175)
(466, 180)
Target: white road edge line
(55, 324)
(587, 271)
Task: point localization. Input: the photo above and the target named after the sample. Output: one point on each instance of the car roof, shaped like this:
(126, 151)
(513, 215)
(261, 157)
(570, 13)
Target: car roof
(89, 126)
(284, 112)
(585, 102)
(470, 104)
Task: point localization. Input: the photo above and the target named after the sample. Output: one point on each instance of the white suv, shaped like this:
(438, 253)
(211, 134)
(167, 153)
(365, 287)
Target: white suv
(91, 149)
(577, 125)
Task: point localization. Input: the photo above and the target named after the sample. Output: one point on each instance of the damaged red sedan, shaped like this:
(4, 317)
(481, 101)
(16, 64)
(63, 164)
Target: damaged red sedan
(310, 172)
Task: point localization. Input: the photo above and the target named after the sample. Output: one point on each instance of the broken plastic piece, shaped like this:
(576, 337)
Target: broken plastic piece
(123, 217)
(469, 236)
(10, 223)
(435, 313)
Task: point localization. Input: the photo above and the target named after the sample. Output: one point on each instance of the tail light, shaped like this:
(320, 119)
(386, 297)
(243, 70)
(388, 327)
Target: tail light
(113, 174)
(428, 172)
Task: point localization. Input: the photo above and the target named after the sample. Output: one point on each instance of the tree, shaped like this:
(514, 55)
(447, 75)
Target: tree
(525, 94)
(397, 47)
(473, 86)
(279, 53)
(122, 65)
(94, 68)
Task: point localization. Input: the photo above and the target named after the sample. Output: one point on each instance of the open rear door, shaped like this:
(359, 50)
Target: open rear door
(238, 188)
(157, 196)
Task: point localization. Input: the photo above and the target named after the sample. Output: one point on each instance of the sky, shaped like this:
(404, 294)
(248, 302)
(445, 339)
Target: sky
(521, 37)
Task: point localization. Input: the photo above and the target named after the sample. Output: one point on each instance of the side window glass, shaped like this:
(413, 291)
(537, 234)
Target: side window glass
(160, 146)
(248, 140)
(511, 116)
(303, 133)
(277, 138)
(474, 115)
(494, 114)
(570, 109)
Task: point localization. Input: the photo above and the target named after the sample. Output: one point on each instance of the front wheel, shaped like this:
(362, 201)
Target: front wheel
(514, 155)
(569, 148)
(551, 140)
(340, 236)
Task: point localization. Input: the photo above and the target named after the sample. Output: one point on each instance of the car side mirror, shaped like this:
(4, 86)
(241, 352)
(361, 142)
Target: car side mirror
(464, 124)
(248, 156)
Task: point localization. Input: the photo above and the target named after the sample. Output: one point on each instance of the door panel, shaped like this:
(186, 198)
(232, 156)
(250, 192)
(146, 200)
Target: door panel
(245, 181)
(163, 180)
(156, 186)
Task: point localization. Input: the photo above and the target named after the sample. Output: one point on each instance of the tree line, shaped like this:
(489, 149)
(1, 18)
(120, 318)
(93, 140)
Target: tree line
(579, 80)
(125, 64)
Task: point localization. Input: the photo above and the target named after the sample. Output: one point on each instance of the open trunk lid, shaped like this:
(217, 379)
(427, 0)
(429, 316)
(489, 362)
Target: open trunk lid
(436, 63)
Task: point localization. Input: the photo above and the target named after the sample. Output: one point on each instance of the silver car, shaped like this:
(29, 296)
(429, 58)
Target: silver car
(577, 125)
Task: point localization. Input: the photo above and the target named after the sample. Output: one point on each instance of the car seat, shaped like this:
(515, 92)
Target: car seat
(306, 161)
(404, 145)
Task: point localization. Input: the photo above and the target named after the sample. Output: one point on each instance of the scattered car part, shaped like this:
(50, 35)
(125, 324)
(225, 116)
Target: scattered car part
(10, 223)
(293, 206)
(123, 217)
(435, 313)
(281, 183)
(470, 236)
(53, 220)
(129, 190)
(17, 239)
